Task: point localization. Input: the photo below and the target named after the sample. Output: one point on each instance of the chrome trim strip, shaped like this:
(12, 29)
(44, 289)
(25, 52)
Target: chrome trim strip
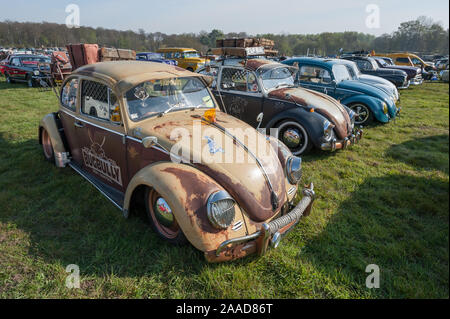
(100, 190)
(93, 124)
(292, 190)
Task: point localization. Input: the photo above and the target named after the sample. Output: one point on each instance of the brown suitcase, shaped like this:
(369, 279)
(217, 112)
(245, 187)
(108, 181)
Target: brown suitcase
(244, 43)
(111, 54)
(82, 54)
(229, 43)
(90, 52)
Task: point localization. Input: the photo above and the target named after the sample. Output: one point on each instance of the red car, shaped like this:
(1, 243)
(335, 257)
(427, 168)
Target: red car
(3, 63)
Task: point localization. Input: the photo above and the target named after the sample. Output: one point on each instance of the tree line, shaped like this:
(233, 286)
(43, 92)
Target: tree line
(422, 35)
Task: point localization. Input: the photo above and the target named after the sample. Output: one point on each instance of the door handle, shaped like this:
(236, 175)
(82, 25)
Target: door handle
(78, 124)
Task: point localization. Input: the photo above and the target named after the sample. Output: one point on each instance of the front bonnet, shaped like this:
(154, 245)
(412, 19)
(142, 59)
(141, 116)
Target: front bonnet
(213, 152)
(322, 104)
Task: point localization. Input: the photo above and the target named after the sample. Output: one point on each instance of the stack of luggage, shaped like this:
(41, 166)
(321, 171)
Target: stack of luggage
(244, 47)
(82, 54)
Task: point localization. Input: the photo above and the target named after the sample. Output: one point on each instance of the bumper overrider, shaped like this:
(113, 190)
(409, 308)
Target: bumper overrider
(335, 144)
(269, 236)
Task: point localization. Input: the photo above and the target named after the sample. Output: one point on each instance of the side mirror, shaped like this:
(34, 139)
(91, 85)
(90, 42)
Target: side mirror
(149, 141)
(259, 119)
(333, 83)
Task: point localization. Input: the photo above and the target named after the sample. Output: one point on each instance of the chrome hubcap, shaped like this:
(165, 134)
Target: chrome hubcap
(361, 113)
(291, 137)
(163, 213)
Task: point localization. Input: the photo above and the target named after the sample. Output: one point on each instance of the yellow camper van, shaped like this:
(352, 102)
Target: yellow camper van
(187, 58)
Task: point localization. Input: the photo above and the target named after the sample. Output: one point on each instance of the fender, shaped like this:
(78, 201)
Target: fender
(311, 121)
(374, 104)
(49, 123)
(186, 190)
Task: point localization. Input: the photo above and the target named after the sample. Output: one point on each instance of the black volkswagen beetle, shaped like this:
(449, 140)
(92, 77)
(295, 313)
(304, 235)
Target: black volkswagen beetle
(368, 65)
(263, 94)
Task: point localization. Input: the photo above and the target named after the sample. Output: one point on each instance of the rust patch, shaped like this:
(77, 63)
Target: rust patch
(255, 64)
(281, 94)
(258, 211)
(198, 189)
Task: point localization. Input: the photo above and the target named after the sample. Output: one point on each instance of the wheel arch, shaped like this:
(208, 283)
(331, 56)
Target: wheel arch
(374, 104)
(186, 190)
(311, 121)
(49, 123)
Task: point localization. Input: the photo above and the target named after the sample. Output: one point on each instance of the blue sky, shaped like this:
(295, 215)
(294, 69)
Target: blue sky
(287, 16)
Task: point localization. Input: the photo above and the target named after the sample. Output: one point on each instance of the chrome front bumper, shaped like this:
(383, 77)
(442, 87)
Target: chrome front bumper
(405, 85)
(269, 235)
(334, 144)
(417, 80)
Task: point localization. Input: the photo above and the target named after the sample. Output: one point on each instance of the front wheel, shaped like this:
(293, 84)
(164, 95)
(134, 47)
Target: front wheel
(363, 115)
(161, 218)
(30, 81)
(295, 137)
(8, 79)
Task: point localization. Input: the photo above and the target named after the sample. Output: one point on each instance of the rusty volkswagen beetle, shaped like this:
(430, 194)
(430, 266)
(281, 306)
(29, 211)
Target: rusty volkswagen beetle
(150, 136)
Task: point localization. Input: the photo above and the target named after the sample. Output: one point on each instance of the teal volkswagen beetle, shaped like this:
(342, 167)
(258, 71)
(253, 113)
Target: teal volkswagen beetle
(331, 77)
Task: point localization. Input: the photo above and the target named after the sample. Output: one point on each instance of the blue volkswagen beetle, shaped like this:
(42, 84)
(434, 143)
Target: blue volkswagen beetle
(154, 57)
(331, 76)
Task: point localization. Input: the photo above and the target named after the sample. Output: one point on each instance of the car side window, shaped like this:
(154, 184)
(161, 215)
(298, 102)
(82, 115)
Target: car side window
(15, 62)
(98, 100)
(211, 71)
(364, 65)
(69, 94)
(314, 74)
(238, 80)
(402, 60)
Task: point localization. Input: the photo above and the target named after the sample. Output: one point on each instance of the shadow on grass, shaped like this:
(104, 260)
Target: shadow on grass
(70, 222)
(399, 223)
(426, 153)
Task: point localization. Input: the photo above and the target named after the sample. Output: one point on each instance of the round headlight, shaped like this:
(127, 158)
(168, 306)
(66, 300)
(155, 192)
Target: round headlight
(220, 209)
(385, 108)
(294, 169)
(328, 130)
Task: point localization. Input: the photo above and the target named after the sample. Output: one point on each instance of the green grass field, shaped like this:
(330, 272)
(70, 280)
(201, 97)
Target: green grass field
(384, 202)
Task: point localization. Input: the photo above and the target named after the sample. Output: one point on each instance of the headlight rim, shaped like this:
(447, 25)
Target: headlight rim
(214, 198)
(289, 173)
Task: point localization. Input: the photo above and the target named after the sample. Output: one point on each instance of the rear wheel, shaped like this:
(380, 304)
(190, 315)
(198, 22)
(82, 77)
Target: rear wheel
(162, 219)
(47, 146)
(190, 69)
(294, 135)
(364, 115)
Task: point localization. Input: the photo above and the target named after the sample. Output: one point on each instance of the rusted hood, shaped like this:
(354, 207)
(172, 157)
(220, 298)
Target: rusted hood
(215, 153)
(322, 103)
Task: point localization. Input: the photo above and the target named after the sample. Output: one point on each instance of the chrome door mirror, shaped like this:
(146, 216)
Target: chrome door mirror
(149, 141)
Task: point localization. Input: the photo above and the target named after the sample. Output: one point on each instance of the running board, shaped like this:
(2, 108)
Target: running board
(115, 196)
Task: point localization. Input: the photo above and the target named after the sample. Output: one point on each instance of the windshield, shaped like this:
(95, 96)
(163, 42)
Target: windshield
(341, 73)
(353, 70)
(35, 60)
(382, 62)
(162, 96)
(191, 54)
(275, 78)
